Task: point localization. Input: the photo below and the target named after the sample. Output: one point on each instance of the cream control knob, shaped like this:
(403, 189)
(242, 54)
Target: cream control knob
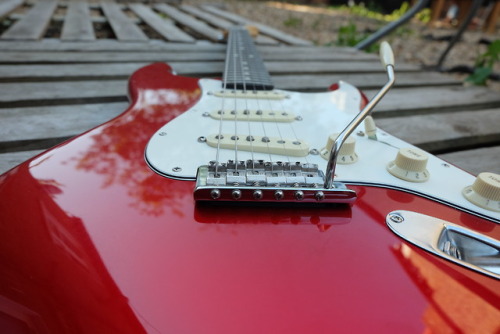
(347, 155)
(410, 165)
(485, 191)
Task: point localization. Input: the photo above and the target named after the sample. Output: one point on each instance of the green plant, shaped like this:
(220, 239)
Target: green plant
(484, 64)
(349, 36)
(374, 12)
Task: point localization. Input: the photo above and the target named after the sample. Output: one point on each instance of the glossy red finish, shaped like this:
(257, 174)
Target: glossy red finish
(93, 241)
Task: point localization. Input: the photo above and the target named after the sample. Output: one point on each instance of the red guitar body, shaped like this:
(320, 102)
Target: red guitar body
(93, 241)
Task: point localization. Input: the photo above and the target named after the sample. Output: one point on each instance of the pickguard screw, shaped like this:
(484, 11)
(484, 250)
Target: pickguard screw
(202, 139)
(162, 133)
(396, 218)
(298, 118)
(205, 114)
(361, 133)
(176, 169)
(314, 151)
(446, 165)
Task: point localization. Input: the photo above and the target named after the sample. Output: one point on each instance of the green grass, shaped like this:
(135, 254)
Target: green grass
(484, 64)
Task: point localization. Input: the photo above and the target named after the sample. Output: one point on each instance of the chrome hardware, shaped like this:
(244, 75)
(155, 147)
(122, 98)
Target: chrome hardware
(447, 240)
(269, 182)
(387, 58)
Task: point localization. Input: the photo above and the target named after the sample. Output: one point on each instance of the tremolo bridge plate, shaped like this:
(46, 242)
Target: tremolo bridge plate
(259, 181)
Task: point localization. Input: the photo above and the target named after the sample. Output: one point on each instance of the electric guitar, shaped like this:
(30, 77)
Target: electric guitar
(229, 206)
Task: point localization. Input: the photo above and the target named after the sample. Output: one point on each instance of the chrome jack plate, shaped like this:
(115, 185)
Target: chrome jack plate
(448, 241)
(259, 181)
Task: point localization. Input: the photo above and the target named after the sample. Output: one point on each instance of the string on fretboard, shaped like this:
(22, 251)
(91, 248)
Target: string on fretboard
(244, 66)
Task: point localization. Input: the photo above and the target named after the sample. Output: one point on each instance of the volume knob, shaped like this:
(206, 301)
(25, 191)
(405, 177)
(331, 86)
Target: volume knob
(347, 154)
(410, 165)
(485, 191)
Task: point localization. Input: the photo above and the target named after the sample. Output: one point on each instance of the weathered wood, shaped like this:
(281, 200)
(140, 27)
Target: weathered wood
(21, 57)
(10, 160)
(164, 27)
(78, 25)
(7, 6)
(100, 71)
(420, 101)
(477, 160)
(446, 131)
(276, 34)
(192, 23)
(35, 123)
(123, 27)
(50, 44)
(221, 23)
(34, 24)
(39, 93)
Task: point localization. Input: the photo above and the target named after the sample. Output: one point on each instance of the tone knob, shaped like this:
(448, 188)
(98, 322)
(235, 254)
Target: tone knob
(485, 191)
(410, 165)
(347, 154)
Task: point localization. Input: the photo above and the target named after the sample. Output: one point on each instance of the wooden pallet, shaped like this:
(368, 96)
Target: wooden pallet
(54, 88)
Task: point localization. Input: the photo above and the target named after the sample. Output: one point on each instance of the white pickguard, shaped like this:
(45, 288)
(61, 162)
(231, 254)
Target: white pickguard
(176, 151)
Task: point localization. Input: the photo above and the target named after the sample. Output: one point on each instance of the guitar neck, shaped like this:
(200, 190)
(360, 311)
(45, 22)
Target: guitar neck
(244, 67)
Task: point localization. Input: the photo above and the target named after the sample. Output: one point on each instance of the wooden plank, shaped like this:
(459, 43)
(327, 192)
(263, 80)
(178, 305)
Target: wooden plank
(77, 24)
(34, 24)
(192, 23)
(10, 160)
(100, 71)
(477, 160)
(343, 60)
(275, 33)
(14, 95)
(7, 6)
(35, 123)
(50, 44)
(446, 131)
(166, 28)
(123, 27)
(426, 100)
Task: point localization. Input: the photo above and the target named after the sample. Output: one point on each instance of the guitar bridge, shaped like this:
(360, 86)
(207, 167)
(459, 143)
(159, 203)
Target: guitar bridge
(259, 181)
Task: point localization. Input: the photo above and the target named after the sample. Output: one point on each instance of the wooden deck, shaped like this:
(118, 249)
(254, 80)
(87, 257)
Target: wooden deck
(61, 75)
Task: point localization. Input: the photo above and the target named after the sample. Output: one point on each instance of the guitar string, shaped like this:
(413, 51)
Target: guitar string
(235, 88)
(224, 89)
(246, 110)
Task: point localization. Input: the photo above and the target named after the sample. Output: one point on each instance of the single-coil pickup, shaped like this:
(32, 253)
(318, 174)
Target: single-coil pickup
(253, 115)
(250, 94)
(260, 144)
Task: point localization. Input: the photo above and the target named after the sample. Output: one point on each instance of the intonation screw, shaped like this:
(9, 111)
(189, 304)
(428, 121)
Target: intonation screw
(236, 194)
(215, 193)
(299, 195)
(319, 196)
(257, 194)
(278, 194)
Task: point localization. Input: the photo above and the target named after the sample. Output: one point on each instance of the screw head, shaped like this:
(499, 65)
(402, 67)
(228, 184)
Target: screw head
(236, 194)
(396, 218)
(215, 193)
(319, 196)
(278, 194)
(202, 139)
(162, 133)
(299, 195)
(257, 194)
(176, 169)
